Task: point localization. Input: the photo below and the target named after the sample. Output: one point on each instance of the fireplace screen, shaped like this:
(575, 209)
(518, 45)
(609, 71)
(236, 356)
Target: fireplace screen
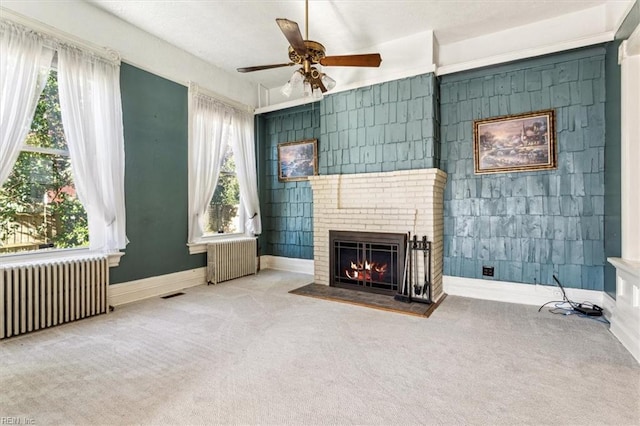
(367, 261)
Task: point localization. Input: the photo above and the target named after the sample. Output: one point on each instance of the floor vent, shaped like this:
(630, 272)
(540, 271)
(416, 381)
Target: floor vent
(169, 296)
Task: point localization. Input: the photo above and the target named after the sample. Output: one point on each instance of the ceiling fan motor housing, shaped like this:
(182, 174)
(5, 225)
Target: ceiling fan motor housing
(315, 52)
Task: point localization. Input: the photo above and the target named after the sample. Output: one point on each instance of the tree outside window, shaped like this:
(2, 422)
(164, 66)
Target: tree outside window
(224, 210)
(38, 204)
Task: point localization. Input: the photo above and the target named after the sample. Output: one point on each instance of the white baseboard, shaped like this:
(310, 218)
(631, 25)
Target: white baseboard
(625, 318)
(132, 291)
(608, 305)
(627, 333)
(623, 326)
(290, 264)
(526, 294)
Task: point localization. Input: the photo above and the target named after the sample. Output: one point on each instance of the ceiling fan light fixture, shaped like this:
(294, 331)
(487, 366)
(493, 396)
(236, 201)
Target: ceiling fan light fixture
(328, 82)
(296, 79)
(294, 83)
(307, 53)
(306, 88)
(317, 93)
(287, 89)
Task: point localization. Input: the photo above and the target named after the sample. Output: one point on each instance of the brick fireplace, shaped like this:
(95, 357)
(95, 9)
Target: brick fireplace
(388, 202)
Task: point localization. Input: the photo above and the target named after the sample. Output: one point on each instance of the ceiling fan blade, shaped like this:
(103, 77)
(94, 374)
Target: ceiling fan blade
(292, 32)
(264, 67)
(366, 60)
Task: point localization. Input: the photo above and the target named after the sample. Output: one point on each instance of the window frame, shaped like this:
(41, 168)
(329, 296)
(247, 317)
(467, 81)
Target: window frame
(200, 246)
(53, 254)
(241, 210)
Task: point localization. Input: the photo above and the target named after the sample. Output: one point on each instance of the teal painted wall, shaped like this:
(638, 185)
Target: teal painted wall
(287, 207)
(155, 138)
(535, 224)
(527, 225)
(380, 128)
(612, 197)
(384, 127)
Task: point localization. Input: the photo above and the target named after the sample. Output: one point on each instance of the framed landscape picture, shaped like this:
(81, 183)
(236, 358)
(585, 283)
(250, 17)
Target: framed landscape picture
(515, 143)
(297, 160)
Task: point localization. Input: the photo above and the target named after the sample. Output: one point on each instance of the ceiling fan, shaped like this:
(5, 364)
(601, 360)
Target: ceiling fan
(308, 53)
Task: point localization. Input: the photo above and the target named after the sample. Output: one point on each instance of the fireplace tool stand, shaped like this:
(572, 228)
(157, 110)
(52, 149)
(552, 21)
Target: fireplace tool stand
(413, 288)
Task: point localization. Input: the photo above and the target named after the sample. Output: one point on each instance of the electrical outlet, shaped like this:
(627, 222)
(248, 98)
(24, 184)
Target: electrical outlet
(550, 291)
(487, 271)
(556, 292)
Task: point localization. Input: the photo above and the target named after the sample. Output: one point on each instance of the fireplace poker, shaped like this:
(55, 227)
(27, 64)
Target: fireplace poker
(422, 289)
(402, 297)
(417, 288)
(414, 260)
(427, 272)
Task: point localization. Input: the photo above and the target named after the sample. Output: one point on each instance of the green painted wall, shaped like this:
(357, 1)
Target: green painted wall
(612, 219)
(612, 197)
(287, 207)
(384, 127)
(155, 139)
(380, 128)
(529, 225)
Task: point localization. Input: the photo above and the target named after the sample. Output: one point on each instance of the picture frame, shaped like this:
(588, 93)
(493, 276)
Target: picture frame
(297, 160)
(515, 143)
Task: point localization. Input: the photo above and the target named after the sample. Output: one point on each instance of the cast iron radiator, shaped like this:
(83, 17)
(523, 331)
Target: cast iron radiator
(231, 259)
(36, 295)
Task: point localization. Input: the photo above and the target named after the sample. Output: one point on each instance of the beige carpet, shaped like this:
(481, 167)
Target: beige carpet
(248, 352)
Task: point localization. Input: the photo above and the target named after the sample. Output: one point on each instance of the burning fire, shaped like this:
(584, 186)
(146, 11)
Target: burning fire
(364, 270)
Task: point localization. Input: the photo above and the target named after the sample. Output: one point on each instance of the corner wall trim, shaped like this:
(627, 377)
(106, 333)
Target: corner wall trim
(509, 292)
(625, 320)
(290, 264)
(132, 291)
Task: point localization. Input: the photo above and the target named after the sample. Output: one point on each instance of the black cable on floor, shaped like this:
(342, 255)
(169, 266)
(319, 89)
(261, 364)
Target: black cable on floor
(558, 309)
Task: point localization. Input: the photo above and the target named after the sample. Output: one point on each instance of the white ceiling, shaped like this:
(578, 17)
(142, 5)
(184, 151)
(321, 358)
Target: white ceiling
(236, 33)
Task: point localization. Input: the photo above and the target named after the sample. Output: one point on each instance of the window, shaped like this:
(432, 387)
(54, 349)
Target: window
(223, 190)
(224, 213)
(38, 204)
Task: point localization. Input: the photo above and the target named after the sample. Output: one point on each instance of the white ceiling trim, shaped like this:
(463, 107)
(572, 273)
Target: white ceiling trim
(405, 57)
(560, 34)
(632, 44)
(82, 21)
(527, 53)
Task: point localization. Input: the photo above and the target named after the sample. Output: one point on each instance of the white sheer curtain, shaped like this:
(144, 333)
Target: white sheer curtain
(209, 126)
(24, 66)
(89, 88)
(243, 145)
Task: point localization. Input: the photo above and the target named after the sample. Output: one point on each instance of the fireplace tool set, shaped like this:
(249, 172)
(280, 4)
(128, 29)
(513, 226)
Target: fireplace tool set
(415, 289)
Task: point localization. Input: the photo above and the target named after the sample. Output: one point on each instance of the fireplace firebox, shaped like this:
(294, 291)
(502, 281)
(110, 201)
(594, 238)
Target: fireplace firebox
(367, 261)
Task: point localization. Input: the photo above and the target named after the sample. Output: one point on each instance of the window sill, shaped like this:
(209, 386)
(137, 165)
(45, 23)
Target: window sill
(58, 255)
(201, 245)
